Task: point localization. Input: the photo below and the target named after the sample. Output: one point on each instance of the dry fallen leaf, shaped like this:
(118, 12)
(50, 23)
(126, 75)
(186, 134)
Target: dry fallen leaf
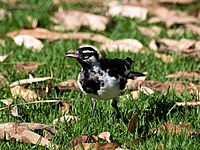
(68, 85)
(156, 86)
(3, 58)
(82, 139)
(132, 125)
(3, 80)
(173, 128)
(29, 42)
(193, 28)
(29, 81)
(7, 102)
(28, 67)
(74, 19)
(152, 45)
(135, 94)
(128, 11)
(164, 57)
(66, 118)
(105, 135)
(41, 33)
(124, 45)
(21, 132)
(146, 90)
(191, 75)
(177, 1)
(170, 17)
(187, 103)
(96, 146)
(65, 108)
(152, 31)
(21, 92)
(14, 111)
(32, 21)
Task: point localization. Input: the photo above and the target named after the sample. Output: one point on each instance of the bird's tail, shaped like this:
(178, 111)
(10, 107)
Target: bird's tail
(132, 75)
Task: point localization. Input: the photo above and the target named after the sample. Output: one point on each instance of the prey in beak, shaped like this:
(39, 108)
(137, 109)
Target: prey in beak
(72, 54)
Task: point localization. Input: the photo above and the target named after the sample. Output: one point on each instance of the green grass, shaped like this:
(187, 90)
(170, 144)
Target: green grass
(151, 110)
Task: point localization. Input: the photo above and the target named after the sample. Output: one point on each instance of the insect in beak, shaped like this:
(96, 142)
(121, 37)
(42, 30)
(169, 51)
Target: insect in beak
(72, 54)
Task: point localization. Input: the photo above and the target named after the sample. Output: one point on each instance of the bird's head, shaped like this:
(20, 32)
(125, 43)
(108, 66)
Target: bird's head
(86, 56)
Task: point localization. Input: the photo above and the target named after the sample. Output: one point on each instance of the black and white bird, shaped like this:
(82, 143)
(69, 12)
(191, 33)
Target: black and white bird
(102, 78)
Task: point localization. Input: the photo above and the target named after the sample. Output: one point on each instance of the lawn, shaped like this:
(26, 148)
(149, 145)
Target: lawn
(152, 110)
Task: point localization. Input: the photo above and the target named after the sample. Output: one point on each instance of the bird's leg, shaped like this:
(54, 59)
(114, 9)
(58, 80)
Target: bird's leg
(94, 101)
(114, 105)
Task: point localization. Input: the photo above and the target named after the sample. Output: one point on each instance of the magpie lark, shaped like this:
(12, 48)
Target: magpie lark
(102, 78)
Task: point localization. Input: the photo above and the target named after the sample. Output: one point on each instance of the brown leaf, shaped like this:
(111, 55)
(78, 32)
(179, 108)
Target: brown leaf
(173, 128)
(193, 28)
(14, 112)
(146, 90)
(135, 94)
(31, 137)
(68, 85)
(29, 67)
(41, 33)
(132, 125)
(65, 107)
(3, 80)
(65, 118)
(105, 135)
(29, 81)
(177, 1)
(157, 86)
(152, 31)
(124, 45)
(74, 19)
(29, 42)
(164, 57)
(7, 102)
(191, 75)
(170, 17)
(128, 11)
(21, 132)
(96, 146)
(21, 92)
(187, 103)
(82, 139)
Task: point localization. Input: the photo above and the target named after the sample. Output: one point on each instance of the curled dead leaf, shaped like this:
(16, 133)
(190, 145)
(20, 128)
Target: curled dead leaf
(128, 11)
(191, 75)
(97, 146)
(66, 118)
(21, 132)
(74, 19)
(170, 17)
(193, 28)
(14, 112)
(29, 42)
(7, 102)
(82, 139)
(68, 85)
(164, 57)
(124, 45)
(21, 92)
(41, 33)
(150, 31)
(175, 128)
(65, 108)
(105, 135)
(29, 67)
(135, 94)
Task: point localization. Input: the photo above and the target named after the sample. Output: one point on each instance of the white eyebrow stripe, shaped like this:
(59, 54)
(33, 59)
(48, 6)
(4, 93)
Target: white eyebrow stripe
(87, 51)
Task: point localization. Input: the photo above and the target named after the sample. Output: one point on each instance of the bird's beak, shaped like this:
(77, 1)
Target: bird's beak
(72, 54)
